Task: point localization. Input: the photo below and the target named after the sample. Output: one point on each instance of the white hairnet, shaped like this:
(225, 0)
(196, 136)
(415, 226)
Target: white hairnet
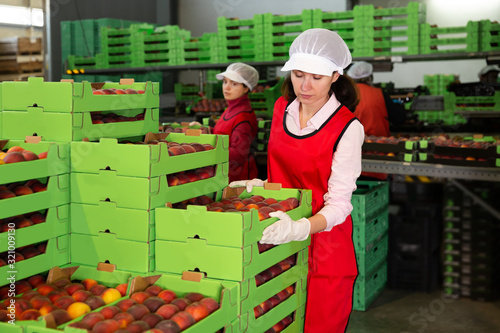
(241, 73)
(360, 69)
(487, 69)
(318, 51)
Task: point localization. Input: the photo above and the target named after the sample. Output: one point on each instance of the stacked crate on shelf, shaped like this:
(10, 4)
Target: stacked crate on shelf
(279, 31)
(223, 245)
(370, 221)
(438, 85)
(240, 40)
(68, 111)
(340, 22)
(201, 50)
(387, 31)
(263, 97)
(391, 148)
(110, 224)
(20, 57)
(435, 40)
(34, 206)
(489, 36)
(471, 264)
(263, 133)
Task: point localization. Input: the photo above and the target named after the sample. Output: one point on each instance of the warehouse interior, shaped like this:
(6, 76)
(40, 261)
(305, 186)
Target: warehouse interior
(435, 265)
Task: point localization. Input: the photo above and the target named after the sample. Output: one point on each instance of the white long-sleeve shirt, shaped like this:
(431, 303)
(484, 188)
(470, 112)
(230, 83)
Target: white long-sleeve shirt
(346, 163)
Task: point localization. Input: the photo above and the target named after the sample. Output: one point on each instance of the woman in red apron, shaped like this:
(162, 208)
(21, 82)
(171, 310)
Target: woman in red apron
(239, 121)
(315, 143)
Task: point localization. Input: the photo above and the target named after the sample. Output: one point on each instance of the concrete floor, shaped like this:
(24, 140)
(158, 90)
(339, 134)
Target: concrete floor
(399, 311)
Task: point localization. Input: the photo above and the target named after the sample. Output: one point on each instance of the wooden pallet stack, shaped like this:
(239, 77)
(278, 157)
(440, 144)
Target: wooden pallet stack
(20, 58)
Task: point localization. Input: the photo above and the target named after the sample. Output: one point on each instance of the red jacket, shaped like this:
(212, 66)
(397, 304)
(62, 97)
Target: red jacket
(372, 111)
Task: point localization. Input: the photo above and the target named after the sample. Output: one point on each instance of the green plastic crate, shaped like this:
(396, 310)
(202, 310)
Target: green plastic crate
(56, 163)
(148, 193)
(56, 224)
(444, 40)
(365, 233)
(57, 194)
(369, 199)
(65, 127)
(373, 255)
(368, 288)
(146, 160)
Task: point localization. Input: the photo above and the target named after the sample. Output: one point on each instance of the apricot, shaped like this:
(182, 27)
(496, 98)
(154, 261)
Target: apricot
(110, 311)
(152, 319)
(183, 319)
(110, 295)
(140, 296)
(89, 283)
(138, 311)
(95, 302)
(153, 303)
(123, 319)
(168, 326)
(64, 302)
(210, 303)
(105, 326)
(167, 310)
(77, 309)
(92, 318)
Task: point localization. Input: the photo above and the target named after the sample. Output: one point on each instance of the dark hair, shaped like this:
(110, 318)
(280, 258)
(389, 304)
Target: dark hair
(345, 90)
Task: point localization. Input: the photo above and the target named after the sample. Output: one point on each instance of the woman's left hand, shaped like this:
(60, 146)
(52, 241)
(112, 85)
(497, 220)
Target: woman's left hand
(285, 229)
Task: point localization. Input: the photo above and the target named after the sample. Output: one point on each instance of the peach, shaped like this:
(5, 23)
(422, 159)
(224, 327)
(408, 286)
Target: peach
(244, 209)
(30, 252)
(30, 314)
(208, 146)
(108, 91)
(110, 311)
(154, 290)
(140, 296)
(167, 310)
(43, 155)
(22, 222)
(95, 302)
(98, 92)
(123, 319)
(283, 295)
(14, 157)
(56, 294)
(248, 201)
(37, 218)
(291, 289)
(39, 187)
(110, 295)
(270, 201)
(181, 303)
(278, 327)
(36, 280)
(6, 194)
(22, 190)
(188, 148)
(210, 303)
(152, 319)
(277, 206)
(294, 202)
(138, 326)
(287, 320)
(194, 297)
(22, 287)
(193, 176)
(122, 288)
(89, 283)
(29, 155)
(153, 303)
(63, 302)
(264, 212)
(38, 301)
(42, 247)
(258, 311)
(120, 92)
(275, 300)
(18, 257)
(15, 149)
(183, 179)
(92, 318)
(176, 150)
(197, 146)
(21, 305)
(286, 204)
(257, 198)
(183, 319)
(202, 173)
(275, 270)
(72, 287)
(267, 305)
(46, 309)
(197, 310)
(172, 180)
(106, 326)
(4, 317)
(131, 91)
(138, 311)
(77, 309)
(79, 324)
(168, 326)
(125, 304)
(98, 289)
(81, 295)
(28, 295)
(267, 275)
(61, 316)
(61, 282)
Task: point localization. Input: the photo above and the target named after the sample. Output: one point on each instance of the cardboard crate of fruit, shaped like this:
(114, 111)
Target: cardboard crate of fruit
(183, 127)
(35, 258)
(126, 255)
(35, 226)
(41, 159)
(152, 156)
(148, 193)
(65, 127)
(35, 194)
(74, 97)
(390, 148)
(201, 235)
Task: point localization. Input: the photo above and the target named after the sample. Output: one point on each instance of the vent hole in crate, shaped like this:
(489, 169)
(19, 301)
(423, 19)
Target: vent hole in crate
(107, 199)
(34, 134)
(107, 168)
(107, 231)
(35, 105)
(107, 262)
(196, 237)
(197, 270)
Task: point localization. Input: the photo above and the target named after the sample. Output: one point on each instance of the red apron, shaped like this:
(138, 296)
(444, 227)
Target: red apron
(305, 162)
(242, 163)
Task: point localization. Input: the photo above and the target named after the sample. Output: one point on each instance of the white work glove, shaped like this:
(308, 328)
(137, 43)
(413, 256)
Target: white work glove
(249, 184)
(285, 229)
(194, 123)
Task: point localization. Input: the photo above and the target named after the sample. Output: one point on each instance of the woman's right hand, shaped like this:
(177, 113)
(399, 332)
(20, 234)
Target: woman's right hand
(249, 184)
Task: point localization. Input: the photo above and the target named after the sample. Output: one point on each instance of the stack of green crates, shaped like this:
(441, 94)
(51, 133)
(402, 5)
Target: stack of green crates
(340, 22)
(489, 36)
(240, 40)
(370, 219)
(202, 50)
(263, 102)
(448, 40)
(62, 111)
(44, 244)
(387, 31)
(224, 246)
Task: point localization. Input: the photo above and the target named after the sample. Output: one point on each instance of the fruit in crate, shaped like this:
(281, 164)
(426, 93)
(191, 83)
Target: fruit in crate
(114, 91)
(183, 128)
(18, 154)
(105, 118)
(210, 105)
